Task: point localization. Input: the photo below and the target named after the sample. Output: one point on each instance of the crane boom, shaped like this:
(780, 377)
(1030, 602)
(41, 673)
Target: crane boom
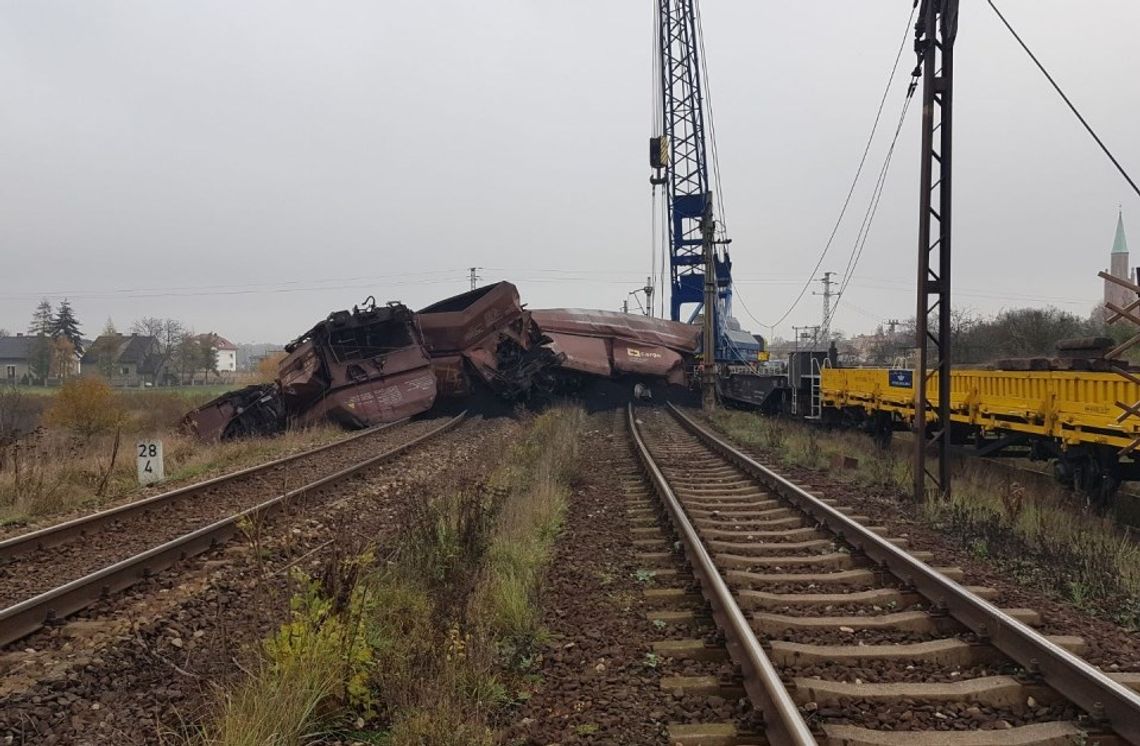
(681, 152)
(700, 267)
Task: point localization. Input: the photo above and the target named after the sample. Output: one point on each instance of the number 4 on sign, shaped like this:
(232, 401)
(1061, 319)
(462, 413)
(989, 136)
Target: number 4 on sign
(150, 464)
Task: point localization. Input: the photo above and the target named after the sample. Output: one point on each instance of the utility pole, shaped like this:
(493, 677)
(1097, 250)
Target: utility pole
(647, 289)
(935, 34)
(708, 361)
(827, 295)
(475, 277)
(806, 332)
(625, 306)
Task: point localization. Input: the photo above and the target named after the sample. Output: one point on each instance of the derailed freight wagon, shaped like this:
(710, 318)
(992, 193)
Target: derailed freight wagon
(486, 339)
(376, 364)
(357, 368)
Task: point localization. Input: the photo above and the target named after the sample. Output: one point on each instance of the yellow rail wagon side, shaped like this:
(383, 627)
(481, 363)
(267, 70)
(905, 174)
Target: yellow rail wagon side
(1065, 416)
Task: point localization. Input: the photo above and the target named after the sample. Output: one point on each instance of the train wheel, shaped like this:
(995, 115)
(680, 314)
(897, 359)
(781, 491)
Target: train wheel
(1063, 472)
(1106, 497)
(882, 432)
(1097, 479)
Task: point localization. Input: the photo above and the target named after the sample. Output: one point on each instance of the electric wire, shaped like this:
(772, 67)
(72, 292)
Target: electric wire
(737, 298)
(1070, 104)
(858, 172)
(869, 216)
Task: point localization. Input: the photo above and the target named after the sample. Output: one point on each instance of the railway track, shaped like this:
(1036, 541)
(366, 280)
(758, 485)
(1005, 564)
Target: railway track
(56, 571)
(841, 635)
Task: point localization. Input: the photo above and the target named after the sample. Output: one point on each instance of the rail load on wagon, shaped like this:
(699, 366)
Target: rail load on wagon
(1062, 409)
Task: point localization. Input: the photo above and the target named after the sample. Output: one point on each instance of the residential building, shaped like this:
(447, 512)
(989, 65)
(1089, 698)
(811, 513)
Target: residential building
(18, 353)
(227, 354)
(124, 359)
(14, 359)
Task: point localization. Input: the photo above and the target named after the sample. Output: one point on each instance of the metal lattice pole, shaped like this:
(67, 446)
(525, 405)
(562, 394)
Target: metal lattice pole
(935, 32)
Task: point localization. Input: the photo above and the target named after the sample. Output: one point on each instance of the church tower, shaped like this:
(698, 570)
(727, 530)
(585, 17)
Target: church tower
(1119, 267)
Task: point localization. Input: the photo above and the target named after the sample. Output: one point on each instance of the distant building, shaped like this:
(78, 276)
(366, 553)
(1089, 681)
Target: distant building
(227, 354)
(124, 359)
(1119, 267)
(15, 354)
(18, 354)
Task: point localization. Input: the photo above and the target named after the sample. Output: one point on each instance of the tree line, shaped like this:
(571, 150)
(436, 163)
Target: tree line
(1012, 333)
(178, 355)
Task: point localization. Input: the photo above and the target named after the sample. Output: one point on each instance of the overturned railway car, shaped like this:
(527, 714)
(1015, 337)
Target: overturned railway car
(486, 339)
(379, 364)
(614, 345)
(357, 368)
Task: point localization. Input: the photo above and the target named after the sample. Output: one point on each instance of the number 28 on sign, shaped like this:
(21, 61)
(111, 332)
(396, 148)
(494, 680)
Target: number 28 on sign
(150, 465)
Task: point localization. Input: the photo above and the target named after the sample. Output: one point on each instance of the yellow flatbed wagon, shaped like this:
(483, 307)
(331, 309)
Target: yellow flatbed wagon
(1070, 416)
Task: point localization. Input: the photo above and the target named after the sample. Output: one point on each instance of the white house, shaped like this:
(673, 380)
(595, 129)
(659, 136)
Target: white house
(227, 354)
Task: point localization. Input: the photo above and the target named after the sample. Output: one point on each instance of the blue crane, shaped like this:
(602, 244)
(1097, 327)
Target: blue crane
(679, 156)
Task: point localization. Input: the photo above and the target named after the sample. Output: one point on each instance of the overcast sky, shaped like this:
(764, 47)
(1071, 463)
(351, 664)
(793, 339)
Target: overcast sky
(249, 166)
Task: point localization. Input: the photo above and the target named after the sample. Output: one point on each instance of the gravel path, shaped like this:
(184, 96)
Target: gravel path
(600, 682)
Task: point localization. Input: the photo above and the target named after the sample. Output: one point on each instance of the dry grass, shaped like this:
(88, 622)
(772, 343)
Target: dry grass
(45, 471)
(417, 646)
(276, 705)
(1047, 537)
(1043, 535)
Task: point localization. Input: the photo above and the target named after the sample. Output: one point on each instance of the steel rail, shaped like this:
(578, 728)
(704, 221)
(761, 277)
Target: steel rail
(22, 619)
(1074, 678)
(782, 721)
(61, 532)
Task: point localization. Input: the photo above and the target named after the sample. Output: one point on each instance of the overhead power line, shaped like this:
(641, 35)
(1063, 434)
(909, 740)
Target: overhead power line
(1070, 104)
(872, 210)
(858, 172)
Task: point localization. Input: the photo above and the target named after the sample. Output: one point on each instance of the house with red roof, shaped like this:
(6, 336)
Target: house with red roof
(227, 354)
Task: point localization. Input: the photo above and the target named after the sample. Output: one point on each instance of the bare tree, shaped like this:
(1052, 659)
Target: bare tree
(168, 333)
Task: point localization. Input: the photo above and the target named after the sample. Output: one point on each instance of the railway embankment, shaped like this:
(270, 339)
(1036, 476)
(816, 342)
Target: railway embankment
(154, 664)
(434, 639)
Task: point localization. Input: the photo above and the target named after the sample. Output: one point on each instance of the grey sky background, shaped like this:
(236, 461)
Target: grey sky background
(247, 167)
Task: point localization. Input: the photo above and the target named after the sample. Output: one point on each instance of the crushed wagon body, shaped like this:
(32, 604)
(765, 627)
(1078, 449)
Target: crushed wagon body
(486, 338)
(379, 364)
(253, 410)
(357, 368)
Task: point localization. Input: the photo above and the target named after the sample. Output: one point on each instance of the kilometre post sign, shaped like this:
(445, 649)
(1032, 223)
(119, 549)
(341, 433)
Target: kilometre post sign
(149, 454)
